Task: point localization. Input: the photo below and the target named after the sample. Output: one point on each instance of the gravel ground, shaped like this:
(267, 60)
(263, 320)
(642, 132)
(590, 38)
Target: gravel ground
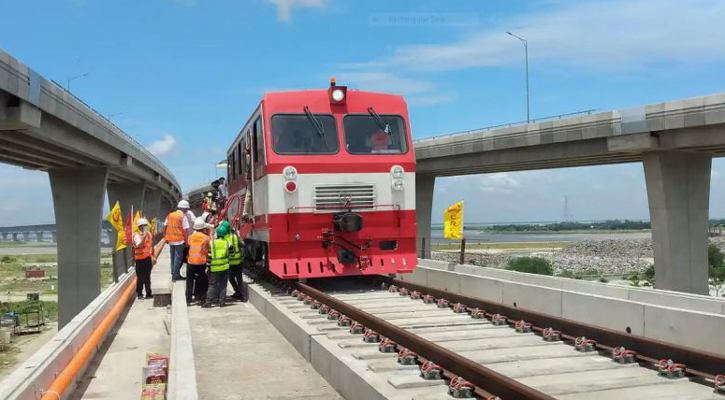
(610, 256)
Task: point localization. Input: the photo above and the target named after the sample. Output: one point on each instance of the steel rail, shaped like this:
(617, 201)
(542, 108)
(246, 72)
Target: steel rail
(475, 373)
(697, 362)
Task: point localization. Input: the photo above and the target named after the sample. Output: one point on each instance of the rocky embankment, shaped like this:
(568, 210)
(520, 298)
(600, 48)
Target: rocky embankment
(611, 256)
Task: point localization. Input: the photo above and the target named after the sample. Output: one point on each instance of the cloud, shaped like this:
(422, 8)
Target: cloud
(499, 182)
(164, 146)
(285, 7)
(615, 34)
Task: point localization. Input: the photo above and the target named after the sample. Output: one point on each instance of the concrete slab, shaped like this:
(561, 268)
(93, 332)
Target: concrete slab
(115, 372)
(236, 344)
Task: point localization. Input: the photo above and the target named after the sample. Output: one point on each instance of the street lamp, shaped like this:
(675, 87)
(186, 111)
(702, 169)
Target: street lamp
(526, 51)
(71, 78)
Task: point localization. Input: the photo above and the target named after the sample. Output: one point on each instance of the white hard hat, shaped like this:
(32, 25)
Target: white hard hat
(209, 194)
(200, 224)
(183, 204)
(141, 221)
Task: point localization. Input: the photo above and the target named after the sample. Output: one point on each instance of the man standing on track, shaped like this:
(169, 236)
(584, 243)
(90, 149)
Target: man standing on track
(219, 266)
(143, 251)
(175, 233)
(196, 280)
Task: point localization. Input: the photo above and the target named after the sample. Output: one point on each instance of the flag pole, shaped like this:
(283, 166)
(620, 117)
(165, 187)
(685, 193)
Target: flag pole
(463, 239)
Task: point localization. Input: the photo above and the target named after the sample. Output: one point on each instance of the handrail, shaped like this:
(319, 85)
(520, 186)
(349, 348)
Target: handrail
(509, 125)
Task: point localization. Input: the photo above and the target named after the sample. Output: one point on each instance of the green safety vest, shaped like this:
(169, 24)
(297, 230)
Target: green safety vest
(219, 255)
(233, 240)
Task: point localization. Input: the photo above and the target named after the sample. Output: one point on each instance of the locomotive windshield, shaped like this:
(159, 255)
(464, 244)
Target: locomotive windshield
(299, 134)
(364, 135)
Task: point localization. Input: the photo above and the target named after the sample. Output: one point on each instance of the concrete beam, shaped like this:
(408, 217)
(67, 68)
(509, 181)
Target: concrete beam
(678, 190)
(78, 202)
(424, 185)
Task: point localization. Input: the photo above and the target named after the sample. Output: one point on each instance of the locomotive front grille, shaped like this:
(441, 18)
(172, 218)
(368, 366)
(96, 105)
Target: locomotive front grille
(333, 197)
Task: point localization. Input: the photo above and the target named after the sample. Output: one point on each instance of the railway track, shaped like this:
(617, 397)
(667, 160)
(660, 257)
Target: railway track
(430, 344)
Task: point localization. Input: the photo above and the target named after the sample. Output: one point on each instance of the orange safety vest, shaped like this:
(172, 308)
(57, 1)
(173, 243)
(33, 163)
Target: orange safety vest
(198, 248)
(145, 249)
(175, 227)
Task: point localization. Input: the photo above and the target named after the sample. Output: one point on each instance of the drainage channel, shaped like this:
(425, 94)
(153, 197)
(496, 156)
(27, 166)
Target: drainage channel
(418, 339)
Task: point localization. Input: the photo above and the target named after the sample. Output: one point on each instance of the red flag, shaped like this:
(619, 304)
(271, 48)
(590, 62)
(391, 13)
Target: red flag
(129, 228)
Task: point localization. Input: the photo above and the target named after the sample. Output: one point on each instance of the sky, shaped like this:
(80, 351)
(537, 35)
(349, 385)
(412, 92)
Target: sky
(182, 76)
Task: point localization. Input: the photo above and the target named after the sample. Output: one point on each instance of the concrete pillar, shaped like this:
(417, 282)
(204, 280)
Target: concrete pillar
(128, 195)
(4, 236)
(678, 189)
(55, 236)
(152, 204)
(15, 236)
(26, 236)
(166, 207)
(39, 236)
(424, 185)
(78, 203)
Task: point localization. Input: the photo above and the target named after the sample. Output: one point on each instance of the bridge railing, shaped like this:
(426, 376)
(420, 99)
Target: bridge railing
(509, 125)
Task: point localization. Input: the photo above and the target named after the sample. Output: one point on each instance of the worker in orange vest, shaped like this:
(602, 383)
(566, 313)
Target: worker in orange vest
(176, 228)
(196, 279)
(143, 251)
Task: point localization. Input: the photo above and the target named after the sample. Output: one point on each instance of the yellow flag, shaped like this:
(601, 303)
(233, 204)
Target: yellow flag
(152, 226)
(453, 221)
(116, 220)
(135, 220)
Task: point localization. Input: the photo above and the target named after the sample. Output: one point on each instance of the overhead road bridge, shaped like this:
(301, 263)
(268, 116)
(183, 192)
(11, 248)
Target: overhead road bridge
(12, 232)
(675, 141)
(44, 127)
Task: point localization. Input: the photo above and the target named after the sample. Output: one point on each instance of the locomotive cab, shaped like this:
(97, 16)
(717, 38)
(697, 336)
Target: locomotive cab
(329, 186)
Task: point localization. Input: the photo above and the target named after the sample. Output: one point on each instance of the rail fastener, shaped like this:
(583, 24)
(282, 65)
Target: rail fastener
(459, 308)
(624, 356)
(671, 369)
(585, 345)
(407, 357)
(387, 346)
(499, 320)
(460, 388)
(356, 328)
(522, 326)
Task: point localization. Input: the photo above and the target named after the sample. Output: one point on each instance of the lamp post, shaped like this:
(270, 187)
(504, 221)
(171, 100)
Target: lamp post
(71, 78)
(526, 52)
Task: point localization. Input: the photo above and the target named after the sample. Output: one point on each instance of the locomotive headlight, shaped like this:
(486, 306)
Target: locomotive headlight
(397, 172)
(290, 173)
(398, 184)
(338, 95)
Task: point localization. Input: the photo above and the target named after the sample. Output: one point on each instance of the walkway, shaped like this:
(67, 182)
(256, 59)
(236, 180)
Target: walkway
(240, 355)
(115, 372)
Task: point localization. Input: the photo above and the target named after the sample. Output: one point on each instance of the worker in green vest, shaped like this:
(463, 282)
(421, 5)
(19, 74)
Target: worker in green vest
(235, 264)
(219, 266)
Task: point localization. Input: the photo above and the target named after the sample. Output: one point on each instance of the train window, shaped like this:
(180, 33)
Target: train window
(365, 135)
(298, 134)
(232, 166)
(240, 155)
(258, 142)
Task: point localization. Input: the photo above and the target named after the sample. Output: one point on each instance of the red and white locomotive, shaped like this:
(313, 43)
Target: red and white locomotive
(326, 178)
